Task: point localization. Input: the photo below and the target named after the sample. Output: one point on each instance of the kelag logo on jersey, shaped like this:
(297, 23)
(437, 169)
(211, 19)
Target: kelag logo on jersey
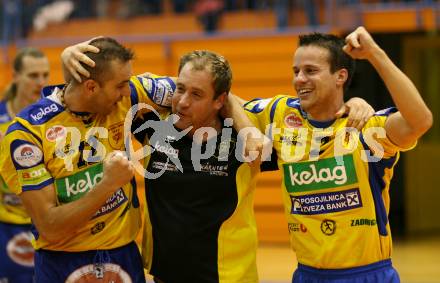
(43, 111)
(318, 175)
(75, 186)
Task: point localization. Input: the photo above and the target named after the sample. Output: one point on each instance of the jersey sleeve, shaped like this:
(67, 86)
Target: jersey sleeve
(22, 160)
(153, 90)
(375, 129)
(261, 112)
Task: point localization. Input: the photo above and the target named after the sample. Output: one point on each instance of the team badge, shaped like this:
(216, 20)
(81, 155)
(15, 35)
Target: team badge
(20, 249)
(27, 155)
(105, 272)
(328, 227)
(55, 132)
(116, 135)
(292, 121)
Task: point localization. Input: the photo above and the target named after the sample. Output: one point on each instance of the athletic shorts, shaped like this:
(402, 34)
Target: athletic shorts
(16, 253)
(122, 265)
(381, 271)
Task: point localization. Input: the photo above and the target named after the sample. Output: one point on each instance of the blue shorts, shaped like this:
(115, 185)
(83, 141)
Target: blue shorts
(122, 265)
(381, 271)
(16, 253)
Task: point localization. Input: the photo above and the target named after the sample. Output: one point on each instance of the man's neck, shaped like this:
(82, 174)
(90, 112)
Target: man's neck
(215, 124)
(73, 100)
(326, 111)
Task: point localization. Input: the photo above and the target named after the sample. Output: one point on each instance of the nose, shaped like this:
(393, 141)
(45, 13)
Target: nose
(300, 77)
(41, 81)
(184, 101)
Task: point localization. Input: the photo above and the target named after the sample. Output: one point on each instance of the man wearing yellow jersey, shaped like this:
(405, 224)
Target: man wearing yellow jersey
(30, 74)
(73, 179)
(336, 180)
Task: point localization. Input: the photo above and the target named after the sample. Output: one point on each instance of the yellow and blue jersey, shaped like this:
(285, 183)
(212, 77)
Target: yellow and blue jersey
(11, 208)
(34, 159)
(335, 183)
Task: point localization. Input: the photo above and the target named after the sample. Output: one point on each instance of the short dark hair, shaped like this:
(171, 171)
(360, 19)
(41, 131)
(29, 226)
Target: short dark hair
(11, 91)
(217, 64)
(338, 59)
(109, 50)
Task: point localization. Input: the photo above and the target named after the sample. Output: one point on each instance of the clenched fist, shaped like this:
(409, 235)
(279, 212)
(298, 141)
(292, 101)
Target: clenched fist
(360, 44)
(118, 170)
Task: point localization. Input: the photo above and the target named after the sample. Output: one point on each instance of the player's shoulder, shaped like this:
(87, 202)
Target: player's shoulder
(41, 111)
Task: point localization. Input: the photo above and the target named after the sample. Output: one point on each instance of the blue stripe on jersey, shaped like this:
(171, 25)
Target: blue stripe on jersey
(16, 126)
(376, 172)
(38, 186)
(321, 124)
(41, 111)
(4, 115)
(294, 103)
(386, 112)
(272, 114)
(48, 90)
(34, 231)
(256, 108)
(135, 200)
(133, 94)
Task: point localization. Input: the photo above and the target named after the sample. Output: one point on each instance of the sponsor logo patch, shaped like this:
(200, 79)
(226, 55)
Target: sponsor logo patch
(106, 272)
(11, 199)
(27, 155)
(43, 111)
(292, 121)
(74, 187)
(97, 228)
(328, 227)
(319, 175)
(55, 132)
(363, 222)
(297, 227)
(326, 202)
(33, 176)
(116, 135)
(20, 249)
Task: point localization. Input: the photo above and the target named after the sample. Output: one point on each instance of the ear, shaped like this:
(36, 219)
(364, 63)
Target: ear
(220, 101)
(341, 77)
(90, 87)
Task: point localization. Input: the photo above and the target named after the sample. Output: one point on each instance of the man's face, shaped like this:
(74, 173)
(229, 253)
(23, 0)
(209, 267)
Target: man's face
(112, 90)
(315, 85)
(32, 78)
(194, 101)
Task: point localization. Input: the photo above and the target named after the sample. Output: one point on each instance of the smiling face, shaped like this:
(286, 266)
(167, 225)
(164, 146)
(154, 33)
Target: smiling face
(31, 79)
(194, 101)
(320, 91)
(106, 96)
